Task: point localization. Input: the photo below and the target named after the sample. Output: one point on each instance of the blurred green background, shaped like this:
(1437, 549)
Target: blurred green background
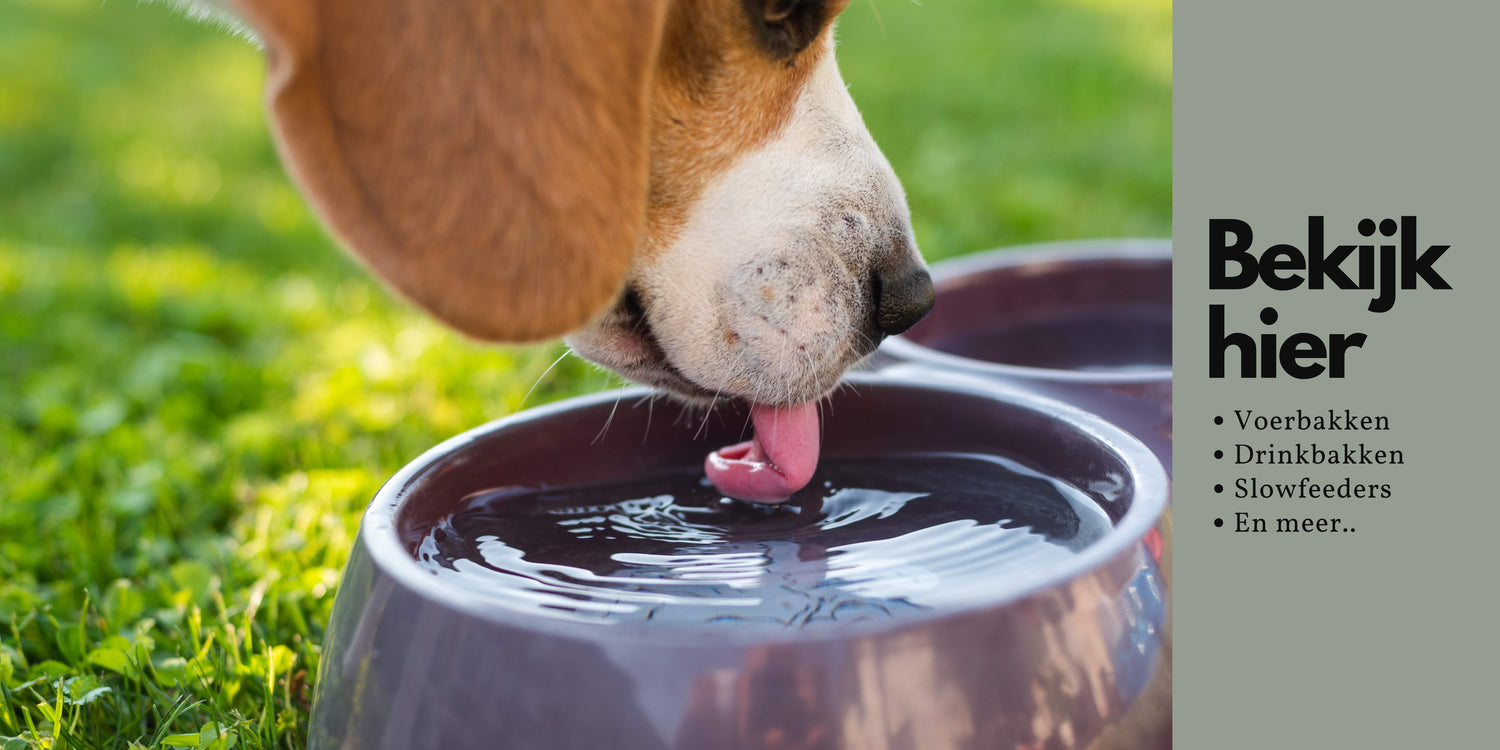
(199, 392)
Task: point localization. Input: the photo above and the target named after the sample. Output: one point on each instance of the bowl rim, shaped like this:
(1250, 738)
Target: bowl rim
(378, 533)
(1066, 251)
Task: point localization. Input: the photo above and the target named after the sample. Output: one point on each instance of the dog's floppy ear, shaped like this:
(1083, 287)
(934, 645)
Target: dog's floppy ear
(487, 158)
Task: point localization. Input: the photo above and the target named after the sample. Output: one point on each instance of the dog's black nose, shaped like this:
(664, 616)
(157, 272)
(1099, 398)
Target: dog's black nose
(902, 297)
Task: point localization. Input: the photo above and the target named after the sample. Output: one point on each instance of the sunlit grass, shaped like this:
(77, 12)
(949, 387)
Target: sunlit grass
(199, 393)
(1018, 121)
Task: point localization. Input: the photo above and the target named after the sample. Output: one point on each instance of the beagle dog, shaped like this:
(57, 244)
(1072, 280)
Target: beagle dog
(682, 189)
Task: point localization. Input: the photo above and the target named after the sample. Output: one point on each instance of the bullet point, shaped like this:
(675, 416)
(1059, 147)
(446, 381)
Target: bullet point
(1218, 420)
(1218, 488)
(1218, 522)
(1218, 454)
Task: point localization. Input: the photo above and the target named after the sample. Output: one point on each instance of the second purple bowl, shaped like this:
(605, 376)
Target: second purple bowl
(1086, 322)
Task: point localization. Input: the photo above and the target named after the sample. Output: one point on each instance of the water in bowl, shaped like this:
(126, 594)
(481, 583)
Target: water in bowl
(870, 538)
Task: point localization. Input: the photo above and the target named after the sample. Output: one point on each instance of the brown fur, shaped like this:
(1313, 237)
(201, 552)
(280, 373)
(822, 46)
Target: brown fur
(501, 163)
(488, 159)
(717, 95)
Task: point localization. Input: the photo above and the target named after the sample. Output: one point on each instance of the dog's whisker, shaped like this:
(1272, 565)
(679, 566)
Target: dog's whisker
(784, 377)
(844, 385)
(650, 410)
(611, 418)
(820, 418)
(880, 21)
(685, 415)
(704, 424)
(542, 377)
(812, 367)
(746, 425)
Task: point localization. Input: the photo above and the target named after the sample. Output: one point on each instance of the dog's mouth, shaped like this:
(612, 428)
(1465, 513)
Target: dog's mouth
(626, 331)
(776, 462)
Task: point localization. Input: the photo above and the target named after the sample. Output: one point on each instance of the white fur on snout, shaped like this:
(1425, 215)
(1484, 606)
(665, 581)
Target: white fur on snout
(765, 292)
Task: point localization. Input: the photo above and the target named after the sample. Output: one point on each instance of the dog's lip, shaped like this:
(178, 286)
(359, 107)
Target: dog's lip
(683, 385)
(666, 374)
(640, 356)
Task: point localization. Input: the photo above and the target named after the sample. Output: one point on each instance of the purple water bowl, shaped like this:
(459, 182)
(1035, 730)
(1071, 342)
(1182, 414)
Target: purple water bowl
(1069, 655)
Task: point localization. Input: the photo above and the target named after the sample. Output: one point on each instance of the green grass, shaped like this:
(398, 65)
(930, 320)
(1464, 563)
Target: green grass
(198, 393)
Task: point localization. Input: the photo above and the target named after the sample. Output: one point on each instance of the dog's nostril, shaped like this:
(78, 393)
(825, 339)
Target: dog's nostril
(902, 298)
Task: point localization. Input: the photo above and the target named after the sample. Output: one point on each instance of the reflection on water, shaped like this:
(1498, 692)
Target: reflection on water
(869, 538)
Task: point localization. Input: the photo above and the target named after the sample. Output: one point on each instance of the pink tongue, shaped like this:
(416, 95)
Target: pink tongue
(777, 462)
